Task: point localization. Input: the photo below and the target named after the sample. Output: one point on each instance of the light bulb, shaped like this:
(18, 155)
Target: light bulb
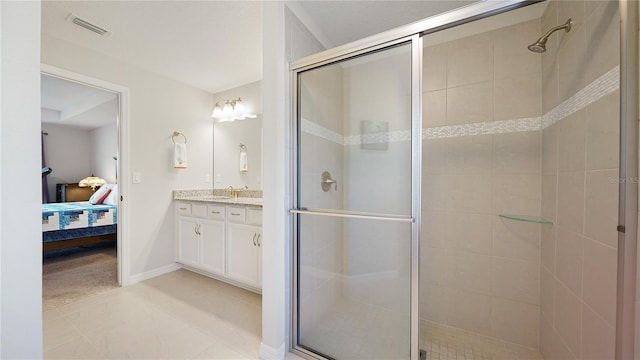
(217, 112)
(239, 107)
(227, 110)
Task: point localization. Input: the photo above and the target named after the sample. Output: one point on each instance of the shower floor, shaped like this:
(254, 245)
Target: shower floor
(353, 330)
(443, 342)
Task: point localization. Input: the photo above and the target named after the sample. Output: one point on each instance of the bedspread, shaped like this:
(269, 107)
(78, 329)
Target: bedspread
(74, 215)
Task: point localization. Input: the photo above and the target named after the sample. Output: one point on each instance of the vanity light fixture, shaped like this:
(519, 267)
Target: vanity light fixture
(231, 110)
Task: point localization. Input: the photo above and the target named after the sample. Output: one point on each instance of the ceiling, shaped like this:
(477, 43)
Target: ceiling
(339, 22)
(217, 45)
(69, 103)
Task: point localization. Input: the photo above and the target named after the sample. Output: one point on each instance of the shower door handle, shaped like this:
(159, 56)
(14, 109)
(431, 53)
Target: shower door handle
(326, 181)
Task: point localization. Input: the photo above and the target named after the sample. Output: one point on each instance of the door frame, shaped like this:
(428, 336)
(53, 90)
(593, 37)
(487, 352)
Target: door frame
(122, 124)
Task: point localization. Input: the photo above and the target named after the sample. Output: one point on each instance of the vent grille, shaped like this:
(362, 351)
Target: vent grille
(89, 26)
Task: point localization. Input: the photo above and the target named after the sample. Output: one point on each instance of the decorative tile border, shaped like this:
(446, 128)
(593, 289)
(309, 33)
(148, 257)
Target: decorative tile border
(312, 128)
(604, 85)
(484, 128)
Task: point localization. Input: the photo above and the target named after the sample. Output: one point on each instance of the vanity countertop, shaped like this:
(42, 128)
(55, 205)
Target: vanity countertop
(214, 197)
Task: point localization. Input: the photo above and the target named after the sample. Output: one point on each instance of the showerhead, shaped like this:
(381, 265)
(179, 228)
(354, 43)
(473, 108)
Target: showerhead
(540, 45)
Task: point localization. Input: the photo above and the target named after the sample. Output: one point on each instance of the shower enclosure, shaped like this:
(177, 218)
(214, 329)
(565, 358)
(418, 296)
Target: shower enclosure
(457, 192)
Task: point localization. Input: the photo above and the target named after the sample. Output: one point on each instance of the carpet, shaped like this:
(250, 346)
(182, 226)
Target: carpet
(73, 274)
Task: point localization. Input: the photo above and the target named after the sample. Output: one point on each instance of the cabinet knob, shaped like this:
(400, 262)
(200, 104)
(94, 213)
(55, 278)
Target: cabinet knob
(258, 239)
(254, 239)
(235, 214)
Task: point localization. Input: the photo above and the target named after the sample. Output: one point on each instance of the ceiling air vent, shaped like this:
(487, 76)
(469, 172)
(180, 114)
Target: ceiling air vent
(88, 25)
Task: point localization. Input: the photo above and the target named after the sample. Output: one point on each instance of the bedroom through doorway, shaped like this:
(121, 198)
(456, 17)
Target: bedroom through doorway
(81, 199)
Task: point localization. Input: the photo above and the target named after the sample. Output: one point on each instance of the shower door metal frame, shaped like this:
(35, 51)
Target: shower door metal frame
(416, 178)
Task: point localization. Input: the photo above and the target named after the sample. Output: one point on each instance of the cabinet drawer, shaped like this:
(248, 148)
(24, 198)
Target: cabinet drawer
(235, 214)
(254, 216)
(215, 212)
(199, 210)
(183, 208)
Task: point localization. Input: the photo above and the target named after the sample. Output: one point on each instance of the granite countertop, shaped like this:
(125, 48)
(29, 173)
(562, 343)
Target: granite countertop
(249, 198)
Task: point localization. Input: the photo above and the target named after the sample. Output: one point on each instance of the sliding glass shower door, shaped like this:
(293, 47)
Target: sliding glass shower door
(358, 166)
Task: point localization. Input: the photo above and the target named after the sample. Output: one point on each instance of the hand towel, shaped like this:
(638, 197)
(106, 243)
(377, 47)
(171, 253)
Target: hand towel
(180, 156)
(243, 162)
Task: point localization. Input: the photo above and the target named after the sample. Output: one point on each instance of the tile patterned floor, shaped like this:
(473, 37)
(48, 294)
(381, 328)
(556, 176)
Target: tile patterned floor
(348, 331)
(180, 315)
(443, 342)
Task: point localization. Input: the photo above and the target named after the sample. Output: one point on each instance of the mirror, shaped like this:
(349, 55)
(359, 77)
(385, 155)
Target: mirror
(227, 137)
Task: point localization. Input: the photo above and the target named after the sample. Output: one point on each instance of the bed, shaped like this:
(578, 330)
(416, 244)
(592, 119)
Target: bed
(80, 223)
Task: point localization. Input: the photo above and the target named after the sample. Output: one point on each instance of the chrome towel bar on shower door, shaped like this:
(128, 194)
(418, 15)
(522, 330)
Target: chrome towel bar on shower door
(353, 215)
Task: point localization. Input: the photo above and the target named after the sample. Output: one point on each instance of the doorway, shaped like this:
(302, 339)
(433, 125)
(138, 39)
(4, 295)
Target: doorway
(113, 161)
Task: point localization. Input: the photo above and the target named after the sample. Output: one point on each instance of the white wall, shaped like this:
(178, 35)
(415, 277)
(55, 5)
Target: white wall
(68, 153)
(104, 146)
(158, 106)
(283, 35)
(20, 237)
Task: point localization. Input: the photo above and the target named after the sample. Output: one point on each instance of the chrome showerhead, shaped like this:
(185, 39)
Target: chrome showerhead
(540, 45)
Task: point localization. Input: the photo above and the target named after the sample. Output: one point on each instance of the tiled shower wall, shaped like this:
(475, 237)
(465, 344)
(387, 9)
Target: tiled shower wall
(377, 254)
(480, 272)
(579, 186)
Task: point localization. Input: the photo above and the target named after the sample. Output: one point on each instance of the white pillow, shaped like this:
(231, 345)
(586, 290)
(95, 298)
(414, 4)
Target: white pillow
(112, 198)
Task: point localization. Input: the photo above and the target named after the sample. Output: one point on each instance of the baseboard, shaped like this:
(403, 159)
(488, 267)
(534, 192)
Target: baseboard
(152, 273)
(270, 353)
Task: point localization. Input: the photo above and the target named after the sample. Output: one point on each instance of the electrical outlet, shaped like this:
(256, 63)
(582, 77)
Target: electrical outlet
(137, 177)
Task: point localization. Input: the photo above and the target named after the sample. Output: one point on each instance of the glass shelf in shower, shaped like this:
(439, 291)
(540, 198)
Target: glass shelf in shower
(527, 218)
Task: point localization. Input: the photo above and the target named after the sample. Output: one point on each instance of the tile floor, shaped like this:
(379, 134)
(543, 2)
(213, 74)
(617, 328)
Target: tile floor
(443, 342)
(180, 315)
(348, 331)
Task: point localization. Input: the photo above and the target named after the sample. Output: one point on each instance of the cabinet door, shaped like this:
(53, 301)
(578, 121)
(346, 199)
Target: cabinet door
(212, 246)
(242, 253)
(188, 240)
(259, 230)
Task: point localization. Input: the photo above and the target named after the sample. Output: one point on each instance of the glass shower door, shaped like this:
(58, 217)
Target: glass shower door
(354, 216)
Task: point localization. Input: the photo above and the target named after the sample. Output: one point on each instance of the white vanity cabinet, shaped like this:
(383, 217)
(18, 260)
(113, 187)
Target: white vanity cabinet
(244, 245)
(224, 242)
(201, 237)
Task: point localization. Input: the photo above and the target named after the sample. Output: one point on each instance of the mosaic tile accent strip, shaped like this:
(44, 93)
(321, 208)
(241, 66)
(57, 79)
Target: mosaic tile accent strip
(484, 128)
(391, 136)
(314, 129)
(604, 85)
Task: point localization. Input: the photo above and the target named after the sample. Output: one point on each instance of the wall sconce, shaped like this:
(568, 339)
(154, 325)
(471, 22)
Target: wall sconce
(92, 181)
(231, 110)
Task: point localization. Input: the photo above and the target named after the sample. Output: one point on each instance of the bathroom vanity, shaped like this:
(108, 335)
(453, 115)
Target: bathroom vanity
(220, 237)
